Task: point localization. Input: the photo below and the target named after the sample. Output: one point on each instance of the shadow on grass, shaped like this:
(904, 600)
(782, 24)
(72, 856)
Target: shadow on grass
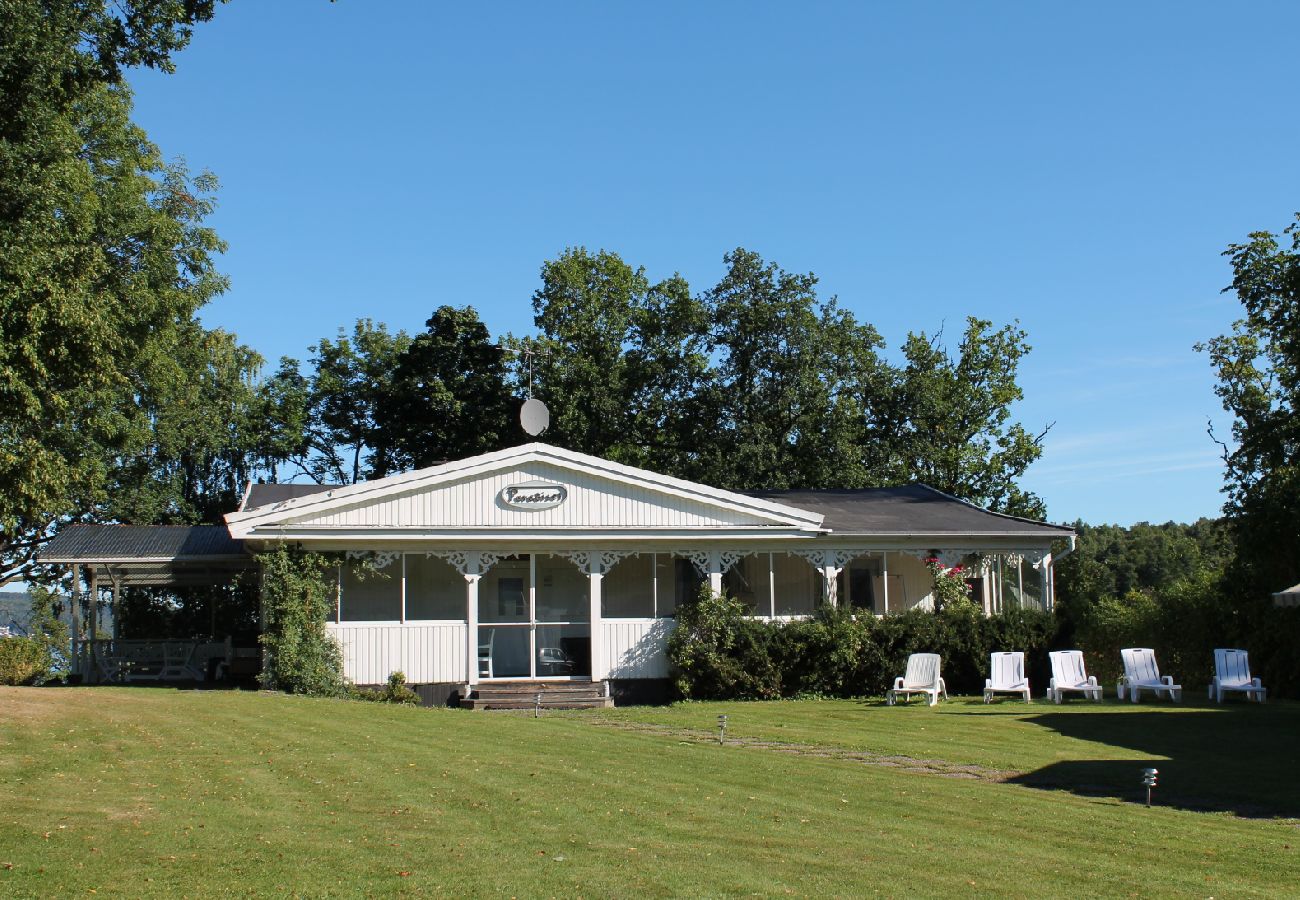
(1239, 759)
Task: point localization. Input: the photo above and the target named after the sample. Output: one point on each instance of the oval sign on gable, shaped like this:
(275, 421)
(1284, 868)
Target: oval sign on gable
(533, 495)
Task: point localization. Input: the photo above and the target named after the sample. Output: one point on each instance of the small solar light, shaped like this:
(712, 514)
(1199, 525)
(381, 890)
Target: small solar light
(1149, 780)
(537, 710)
(722, 729)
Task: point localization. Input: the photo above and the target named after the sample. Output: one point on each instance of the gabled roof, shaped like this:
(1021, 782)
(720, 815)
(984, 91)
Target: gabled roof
(316, 506)
(910, 510)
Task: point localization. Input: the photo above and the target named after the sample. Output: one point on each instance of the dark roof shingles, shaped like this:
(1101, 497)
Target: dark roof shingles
(912, 509)
(94, 543)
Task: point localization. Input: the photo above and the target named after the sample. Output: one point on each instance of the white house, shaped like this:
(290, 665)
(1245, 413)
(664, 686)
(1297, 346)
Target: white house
(542, 564)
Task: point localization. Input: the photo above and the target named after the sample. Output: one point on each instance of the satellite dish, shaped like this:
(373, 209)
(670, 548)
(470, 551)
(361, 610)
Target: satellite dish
(534, 416)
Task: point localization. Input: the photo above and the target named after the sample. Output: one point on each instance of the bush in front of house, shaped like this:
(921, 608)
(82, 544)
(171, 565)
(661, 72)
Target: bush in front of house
(396, 691)
(23, 660)
(718, 653)
(298, 592)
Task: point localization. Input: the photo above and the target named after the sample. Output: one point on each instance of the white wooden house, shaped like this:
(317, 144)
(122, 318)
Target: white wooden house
(542, 564)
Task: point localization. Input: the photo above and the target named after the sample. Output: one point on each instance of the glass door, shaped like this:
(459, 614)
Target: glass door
(505, 621)
(563, 622)
(534, 619)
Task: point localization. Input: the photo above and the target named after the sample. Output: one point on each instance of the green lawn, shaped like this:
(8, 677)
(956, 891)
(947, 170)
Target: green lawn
(158, 792)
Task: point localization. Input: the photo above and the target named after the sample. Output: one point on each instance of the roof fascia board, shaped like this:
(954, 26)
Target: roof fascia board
(584, 535)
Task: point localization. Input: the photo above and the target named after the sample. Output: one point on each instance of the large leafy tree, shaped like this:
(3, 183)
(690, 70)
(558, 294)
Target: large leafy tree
(949, 419)
(758, 382)
(1258, 367)
(794, 380)
(104, 256)
(351, 377)
(446, 396)
(620, 359)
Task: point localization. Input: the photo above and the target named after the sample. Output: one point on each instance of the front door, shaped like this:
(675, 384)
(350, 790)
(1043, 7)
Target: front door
(534, 620)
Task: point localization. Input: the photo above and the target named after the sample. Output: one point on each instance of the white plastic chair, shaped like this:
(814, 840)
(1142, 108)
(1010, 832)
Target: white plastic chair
(1232, 673)
(1142, 674)
(485, 653)
(921, 677)
(1008, 671)
(1069, 674)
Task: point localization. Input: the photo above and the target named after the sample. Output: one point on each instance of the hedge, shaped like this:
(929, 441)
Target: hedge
(718, 653)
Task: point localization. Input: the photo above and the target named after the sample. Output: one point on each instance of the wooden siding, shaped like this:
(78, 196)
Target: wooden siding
(592, 502)
(426, 653)
(635, 647)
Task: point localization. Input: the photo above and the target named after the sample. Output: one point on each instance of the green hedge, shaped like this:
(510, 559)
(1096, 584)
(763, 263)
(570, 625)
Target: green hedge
(718, 653)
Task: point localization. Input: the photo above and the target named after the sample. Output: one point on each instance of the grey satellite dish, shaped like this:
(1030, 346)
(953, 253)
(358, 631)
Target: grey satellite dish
(534, 416)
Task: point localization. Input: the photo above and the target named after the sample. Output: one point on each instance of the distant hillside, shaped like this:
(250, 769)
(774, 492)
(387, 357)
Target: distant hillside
(15, 606)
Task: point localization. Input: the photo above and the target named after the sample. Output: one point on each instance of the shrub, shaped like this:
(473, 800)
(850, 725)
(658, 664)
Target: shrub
(23, 660)
(718, 653)
(298, 590)
(396, 691)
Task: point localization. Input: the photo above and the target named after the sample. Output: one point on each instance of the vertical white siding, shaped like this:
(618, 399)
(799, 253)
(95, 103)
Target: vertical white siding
(592, 502)
(635, 647)
(432, 652)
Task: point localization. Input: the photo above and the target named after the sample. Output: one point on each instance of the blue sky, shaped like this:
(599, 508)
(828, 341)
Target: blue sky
(1079, 168)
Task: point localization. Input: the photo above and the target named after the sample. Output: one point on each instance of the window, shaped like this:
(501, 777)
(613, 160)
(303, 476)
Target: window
(797, 588)
(628, 590)
(434, 590)
(368, 595)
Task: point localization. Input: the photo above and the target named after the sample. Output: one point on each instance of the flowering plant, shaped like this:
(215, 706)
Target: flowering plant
(950, 587)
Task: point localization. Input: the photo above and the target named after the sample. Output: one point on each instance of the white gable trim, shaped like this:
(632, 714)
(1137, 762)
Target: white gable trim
(289, 512)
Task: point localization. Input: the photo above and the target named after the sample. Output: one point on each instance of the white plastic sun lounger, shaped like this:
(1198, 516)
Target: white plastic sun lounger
(1069, 674)
(1008, 676)
(921, 677)
(1142, 674)
(1232, 673)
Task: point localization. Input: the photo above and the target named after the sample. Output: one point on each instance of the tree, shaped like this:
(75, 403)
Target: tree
(619, 361)
(758, 383)
(446, 397)
(792, 384)
(352, 376)
(214, 427)
(950, 426)
(103, 255)
(1258, 367)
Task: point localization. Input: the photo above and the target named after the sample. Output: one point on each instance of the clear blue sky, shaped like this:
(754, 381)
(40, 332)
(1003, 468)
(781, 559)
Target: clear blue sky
(1077, 167)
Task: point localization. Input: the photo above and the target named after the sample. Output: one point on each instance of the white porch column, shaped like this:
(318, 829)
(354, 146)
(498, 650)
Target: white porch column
(715, 572)
(599, 665)
(884, 580)
(471, 620)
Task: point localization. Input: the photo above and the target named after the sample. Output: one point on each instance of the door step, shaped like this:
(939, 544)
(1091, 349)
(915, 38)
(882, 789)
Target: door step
(538, 694)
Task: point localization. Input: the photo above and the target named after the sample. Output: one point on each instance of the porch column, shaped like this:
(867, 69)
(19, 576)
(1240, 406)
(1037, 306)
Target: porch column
(715, 572)
(74, 601)
(599, 666)
(471, 631)
(884, 580)
(92, 624)
(833, 563)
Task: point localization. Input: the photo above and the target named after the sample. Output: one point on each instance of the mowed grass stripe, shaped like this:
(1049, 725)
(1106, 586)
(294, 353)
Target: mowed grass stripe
(165, 793)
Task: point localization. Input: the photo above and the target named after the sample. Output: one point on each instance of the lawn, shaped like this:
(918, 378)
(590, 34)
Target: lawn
(157, 792)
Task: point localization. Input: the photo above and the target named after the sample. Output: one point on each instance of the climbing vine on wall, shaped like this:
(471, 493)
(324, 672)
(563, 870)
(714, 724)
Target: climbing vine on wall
(298, 592)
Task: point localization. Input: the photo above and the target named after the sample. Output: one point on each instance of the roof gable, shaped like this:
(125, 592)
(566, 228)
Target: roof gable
(473, 494)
